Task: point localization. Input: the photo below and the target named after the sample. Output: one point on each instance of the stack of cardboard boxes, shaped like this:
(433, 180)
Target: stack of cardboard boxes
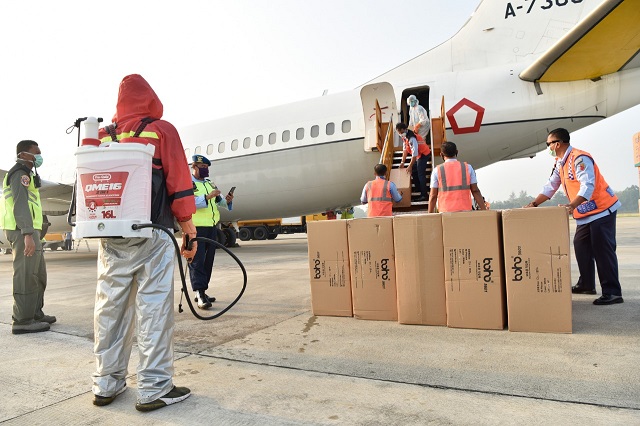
(373, 272)
(474, 277)
(329, 268)
(466, 269)
(419, 269)
(538, 269)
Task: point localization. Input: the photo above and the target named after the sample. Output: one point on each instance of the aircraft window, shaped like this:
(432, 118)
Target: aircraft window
(300, 134)
(259, 139)
(315, 131)
(187, 152)
(234, 144)
(210, 149)
(246, 143)
(286, 135)
(197, 150)
(272, 138)
(331, 128)
(346, 126)
(221, 147)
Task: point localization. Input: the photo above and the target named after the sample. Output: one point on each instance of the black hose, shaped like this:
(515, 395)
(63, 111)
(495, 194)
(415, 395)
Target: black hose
(72, 206)
(182, 275)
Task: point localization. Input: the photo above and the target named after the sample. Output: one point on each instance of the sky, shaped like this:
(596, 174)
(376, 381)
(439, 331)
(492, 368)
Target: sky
(211, 59)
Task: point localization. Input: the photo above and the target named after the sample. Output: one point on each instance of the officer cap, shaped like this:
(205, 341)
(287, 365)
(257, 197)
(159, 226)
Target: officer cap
(201, 159)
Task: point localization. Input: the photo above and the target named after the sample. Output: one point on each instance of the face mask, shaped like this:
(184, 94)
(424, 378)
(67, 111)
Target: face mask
(37, 162)
(204, 172)
(37, 159)
(413, 103)
(552, 152)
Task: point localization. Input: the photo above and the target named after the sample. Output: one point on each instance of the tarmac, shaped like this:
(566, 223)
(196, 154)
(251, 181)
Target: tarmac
(269, 361)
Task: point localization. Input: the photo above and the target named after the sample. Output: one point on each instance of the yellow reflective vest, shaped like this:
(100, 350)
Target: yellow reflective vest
(209, 215)
(7, 217)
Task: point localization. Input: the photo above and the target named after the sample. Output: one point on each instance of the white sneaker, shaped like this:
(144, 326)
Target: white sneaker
(174, 396)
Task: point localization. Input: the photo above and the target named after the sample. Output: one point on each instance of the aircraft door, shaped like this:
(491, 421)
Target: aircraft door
(422, 93)
(377, 124)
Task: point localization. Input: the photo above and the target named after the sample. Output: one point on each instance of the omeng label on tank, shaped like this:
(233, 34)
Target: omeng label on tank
(103, 194)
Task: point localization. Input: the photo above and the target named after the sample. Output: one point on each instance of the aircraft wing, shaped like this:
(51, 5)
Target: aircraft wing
(604, 42)
(55, 197)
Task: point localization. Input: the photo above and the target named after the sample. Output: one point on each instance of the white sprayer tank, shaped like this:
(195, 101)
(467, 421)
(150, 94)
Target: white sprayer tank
(114, 190)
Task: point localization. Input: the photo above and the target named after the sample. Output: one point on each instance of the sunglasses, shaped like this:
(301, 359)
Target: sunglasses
(549, 143)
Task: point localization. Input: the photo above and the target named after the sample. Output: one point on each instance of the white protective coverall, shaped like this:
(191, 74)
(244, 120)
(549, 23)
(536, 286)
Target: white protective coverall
(418, 116)
(135, 275)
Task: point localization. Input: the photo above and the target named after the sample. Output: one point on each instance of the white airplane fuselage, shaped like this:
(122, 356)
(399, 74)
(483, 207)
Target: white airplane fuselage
(325, 172)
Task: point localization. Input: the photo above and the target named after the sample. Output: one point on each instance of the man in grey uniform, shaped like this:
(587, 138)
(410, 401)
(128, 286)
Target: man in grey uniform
(21, 218)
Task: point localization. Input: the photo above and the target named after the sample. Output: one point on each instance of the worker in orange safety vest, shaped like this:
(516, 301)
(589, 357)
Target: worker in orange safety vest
(380, 194)
(453, 183)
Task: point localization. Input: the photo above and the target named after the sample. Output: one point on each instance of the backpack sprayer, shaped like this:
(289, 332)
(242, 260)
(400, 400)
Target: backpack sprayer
(113, 191)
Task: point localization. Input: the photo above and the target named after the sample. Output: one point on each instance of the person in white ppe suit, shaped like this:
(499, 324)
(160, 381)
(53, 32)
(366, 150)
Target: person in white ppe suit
(135, 275)
(418, 118)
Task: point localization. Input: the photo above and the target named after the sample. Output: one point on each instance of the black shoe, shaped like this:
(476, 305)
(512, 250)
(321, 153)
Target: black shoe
(32, 327)
(174, 396)
(101, 401)
(204, 301)
(579, 290)
(608, 299)
(49, 319)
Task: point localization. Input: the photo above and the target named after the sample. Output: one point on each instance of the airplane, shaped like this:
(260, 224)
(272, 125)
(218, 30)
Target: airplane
(514, 71)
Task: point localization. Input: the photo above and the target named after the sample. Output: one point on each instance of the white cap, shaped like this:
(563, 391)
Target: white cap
(91, 128)
(412, 98)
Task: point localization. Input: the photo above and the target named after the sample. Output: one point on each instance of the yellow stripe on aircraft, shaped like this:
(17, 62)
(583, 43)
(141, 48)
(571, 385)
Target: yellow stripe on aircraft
(602, 44)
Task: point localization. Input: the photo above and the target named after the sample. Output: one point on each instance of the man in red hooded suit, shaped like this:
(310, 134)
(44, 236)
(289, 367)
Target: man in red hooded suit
(135, 275)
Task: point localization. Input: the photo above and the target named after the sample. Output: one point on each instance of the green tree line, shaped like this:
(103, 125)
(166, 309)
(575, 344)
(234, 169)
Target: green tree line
(628, 198)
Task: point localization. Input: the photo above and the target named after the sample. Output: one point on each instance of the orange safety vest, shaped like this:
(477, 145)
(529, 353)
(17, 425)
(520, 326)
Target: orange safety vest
(603, 196)
(379, 198)
(453, 191)
(423, 148)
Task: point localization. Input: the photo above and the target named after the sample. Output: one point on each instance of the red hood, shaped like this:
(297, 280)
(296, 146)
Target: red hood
(136, 99)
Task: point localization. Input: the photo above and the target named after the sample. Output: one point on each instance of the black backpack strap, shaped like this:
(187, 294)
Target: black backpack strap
(143, 124)
(111, 129)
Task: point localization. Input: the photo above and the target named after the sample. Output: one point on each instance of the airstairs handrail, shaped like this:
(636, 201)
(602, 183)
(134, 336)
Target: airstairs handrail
(386, 157)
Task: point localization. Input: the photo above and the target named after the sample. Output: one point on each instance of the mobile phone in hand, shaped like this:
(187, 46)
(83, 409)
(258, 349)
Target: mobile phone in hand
(233, 188)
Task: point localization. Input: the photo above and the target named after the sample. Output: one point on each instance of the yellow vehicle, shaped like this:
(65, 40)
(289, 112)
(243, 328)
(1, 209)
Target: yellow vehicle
(53, 241)
(268, 229)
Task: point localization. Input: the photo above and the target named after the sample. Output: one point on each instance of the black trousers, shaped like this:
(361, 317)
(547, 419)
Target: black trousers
(419, 175)
(595, 245)
(202, 265)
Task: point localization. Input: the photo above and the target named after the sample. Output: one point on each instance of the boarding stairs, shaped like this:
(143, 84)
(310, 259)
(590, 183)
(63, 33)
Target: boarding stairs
(392, 156)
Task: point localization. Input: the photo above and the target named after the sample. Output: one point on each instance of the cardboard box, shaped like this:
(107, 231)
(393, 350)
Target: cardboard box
(373, 275)
(329, 268)
(473, 269)
(402, 179)
(419, 269)
(538, 269)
